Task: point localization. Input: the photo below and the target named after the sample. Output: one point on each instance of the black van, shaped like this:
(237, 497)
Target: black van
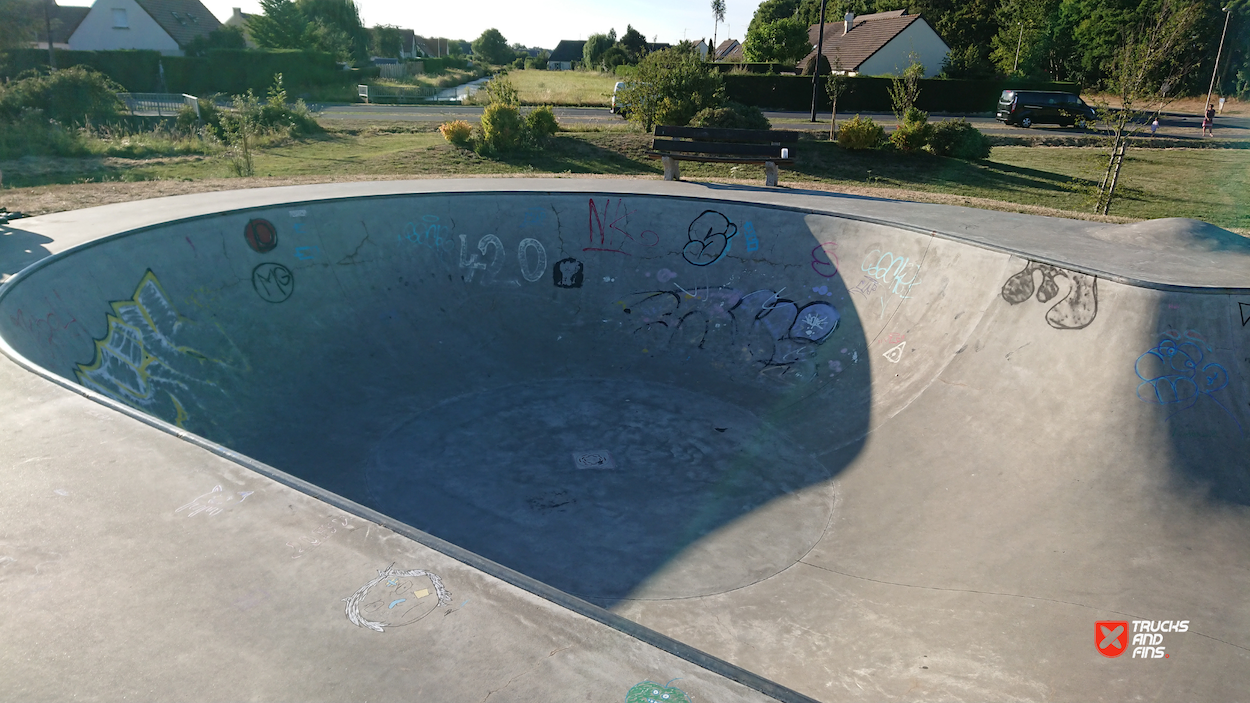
(1029, 107)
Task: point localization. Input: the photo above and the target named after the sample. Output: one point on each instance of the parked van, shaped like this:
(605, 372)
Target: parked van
(616, 107)
(1029, 107)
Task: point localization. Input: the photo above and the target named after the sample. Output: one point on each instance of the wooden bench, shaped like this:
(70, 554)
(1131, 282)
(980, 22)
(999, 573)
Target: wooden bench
(732, 146)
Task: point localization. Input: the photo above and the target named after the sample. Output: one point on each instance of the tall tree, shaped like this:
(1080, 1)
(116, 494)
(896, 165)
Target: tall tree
(22, 22)
(718, 16)
(386, 40)
(281, 26)
(338, 19)
(634, 42)
(1024, 44)
(596, 46)
(783, 41)
(491, 47)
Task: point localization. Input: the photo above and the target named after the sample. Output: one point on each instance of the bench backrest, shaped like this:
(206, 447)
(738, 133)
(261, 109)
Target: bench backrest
(735, 136)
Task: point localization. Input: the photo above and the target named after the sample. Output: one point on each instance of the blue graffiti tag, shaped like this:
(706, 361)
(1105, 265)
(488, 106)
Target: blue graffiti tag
(1173, 373)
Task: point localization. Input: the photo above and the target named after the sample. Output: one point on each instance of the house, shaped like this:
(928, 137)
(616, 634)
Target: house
(703, 49)
(879, 44)
(408, 48)
(167, 26)
(65, 19)
(729, 50)
(566, 53)
(240, 19)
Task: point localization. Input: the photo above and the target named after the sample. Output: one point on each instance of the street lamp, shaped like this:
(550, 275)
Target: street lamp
(1228, 12)
(820, 46)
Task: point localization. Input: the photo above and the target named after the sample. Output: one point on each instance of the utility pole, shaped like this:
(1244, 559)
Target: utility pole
(820, 46)
(48, 28)
(1228, 12)
(1019, 41)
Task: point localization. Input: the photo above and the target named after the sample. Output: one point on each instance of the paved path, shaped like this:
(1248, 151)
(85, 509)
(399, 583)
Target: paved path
(549, 439)
(1171, 125)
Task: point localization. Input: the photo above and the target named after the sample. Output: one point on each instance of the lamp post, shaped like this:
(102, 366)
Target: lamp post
(1228, 12)
(820, 46)
(47, 23)
(1019, 42)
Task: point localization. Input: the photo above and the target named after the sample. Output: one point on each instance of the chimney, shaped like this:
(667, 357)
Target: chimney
(238, 12)
(850, 22)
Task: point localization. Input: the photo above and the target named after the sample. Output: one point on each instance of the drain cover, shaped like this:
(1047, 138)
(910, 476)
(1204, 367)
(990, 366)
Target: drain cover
(593, 460)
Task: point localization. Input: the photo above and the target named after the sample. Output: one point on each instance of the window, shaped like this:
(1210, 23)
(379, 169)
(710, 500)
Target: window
(119, 19)
(179, 19)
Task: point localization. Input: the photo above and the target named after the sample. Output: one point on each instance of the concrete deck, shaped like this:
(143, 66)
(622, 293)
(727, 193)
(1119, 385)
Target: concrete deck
(551, 439)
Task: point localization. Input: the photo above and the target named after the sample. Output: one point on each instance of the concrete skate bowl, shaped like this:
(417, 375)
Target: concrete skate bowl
(636, 397)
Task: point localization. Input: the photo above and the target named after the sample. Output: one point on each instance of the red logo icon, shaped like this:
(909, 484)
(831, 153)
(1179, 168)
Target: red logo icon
(261, 235)
(1111, 637)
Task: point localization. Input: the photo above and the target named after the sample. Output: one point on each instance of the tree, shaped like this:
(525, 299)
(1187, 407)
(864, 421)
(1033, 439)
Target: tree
(1151, 62)
(718, 16)
(282, 26)
(1025, 42)
(670, 87)
(770, 11)
(22, 22)
(905, 89)
(782, 41)
(596, 46)
(224, 37)
(836, 85)
(492, 48)
(386, 40)
(634, 42)
(339, 28)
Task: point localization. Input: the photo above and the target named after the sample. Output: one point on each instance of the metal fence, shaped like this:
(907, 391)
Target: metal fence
(158, 104)
(396, 95)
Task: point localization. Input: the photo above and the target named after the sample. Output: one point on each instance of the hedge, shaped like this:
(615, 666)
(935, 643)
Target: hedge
(871, 94)
(746, 67)
(222, 71)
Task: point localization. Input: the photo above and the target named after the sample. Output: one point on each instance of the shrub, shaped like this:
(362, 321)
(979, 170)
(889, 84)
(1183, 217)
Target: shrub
(458, 132)
(541, 124)
(501, 90)
(959, 139)
(502, 128)
(32, 134)
(913, 134)
(860, 133)
(732, 116)
(76, 94)
(670, 87)
(210, 118)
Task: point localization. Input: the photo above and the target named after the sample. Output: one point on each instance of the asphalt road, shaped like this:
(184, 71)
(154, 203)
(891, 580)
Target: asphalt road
(1170, 124)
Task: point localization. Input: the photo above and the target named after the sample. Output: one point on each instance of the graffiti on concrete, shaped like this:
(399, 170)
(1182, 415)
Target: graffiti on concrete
(431, 234)
(825, 259)
(154, 359)
(1244, 310)
(568, 273)
(213, 502)
(529, 250)
(652, 692)
(1075, 311)
(760, 327)
(891, 270)
(274, 283)
(709, 238)
(609, 227)
(261, 235)
(1175, 373)
(396, 598)
(752, 239)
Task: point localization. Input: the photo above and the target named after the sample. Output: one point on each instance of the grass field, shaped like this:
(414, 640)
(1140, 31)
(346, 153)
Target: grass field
(1206, 184)
(566, 88)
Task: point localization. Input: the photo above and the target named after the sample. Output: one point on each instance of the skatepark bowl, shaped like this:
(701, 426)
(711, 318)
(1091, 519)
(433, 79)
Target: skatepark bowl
(830, 447)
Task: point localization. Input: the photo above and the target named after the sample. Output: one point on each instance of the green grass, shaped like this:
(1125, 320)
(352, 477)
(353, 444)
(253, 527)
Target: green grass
(1205, 184)
(566, 88)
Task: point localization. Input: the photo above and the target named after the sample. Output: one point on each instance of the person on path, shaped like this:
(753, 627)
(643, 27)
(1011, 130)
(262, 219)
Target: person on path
(1208, 120)
(1154, 127)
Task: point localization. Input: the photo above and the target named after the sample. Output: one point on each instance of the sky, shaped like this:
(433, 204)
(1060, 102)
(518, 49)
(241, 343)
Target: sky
(541, 24)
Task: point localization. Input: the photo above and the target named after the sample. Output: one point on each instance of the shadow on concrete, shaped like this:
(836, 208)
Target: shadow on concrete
(19, 249)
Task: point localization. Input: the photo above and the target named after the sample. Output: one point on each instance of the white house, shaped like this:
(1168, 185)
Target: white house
(880, 44)
(167, 26)
(566, 53)
(239, 18)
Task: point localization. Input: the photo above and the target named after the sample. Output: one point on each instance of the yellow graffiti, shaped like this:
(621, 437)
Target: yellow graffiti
(139, 361)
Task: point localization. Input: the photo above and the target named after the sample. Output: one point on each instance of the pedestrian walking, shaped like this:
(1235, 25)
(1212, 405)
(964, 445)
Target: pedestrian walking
(1154, 127)
(1208, 120)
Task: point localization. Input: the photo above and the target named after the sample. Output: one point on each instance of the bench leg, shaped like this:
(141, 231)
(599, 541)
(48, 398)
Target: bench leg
(770, 173)
(672, 168)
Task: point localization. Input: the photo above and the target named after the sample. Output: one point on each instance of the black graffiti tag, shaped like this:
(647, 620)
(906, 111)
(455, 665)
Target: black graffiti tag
(709, 238)
(273, 282)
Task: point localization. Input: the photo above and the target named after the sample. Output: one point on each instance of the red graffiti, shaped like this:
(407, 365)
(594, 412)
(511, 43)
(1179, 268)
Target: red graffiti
(830, 264)
(615, 237)
(46, 329)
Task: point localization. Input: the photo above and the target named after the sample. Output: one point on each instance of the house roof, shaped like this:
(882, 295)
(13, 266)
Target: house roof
(65, 19)
(182, 20)
(868, 35)
(568, 50)
(728, 49)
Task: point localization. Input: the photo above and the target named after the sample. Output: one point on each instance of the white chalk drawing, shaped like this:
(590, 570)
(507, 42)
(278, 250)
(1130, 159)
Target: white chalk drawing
(540, 266)
(319, 535)
(154, 359)
(895, 353)
(213, 502)
(891, 270)
(396, 598)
